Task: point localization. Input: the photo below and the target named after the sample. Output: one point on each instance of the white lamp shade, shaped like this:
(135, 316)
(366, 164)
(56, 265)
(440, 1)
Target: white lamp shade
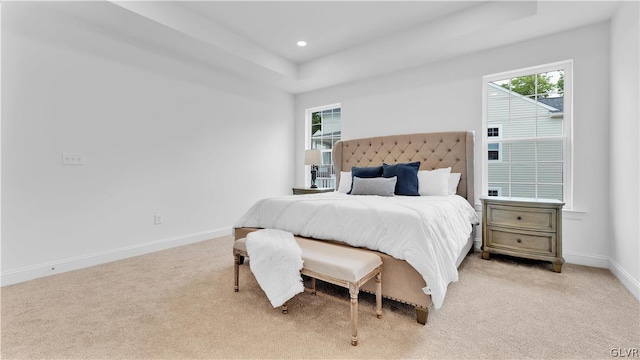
(312, 157)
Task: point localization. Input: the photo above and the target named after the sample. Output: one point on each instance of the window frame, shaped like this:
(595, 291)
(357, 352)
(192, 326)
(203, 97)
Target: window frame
(308, 125)
(567, 137)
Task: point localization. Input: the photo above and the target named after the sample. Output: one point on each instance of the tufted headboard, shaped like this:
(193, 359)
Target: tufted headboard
(433, 150)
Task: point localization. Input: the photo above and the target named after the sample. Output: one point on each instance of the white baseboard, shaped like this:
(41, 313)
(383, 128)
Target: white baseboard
(56, 267)
(625, 278)
(592, 260)
(83, 261)
(477, 243)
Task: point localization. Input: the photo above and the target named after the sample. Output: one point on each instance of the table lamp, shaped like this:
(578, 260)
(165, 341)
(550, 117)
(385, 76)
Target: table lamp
(312, 157)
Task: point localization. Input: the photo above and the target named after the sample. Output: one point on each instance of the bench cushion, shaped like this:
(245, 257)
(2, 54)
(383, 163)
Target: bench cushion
(332, 260)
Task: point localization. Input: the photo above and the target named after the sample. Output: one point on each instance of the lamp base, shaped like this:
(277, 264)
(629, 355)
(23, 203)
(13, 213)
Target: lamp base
(314, 173)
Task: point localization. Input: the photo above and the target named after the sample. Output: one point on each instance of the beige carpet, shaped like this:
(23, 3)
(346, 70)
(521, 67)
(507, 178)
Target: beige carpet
(180, 303)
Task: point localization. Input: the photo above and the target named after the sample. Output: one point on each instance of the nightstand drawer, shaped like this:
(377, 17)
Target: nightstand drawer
(538, 243)
(522, 218)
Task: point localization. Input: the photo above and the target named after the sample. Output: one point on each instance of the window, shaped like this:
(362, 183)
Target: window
(324, 130)
(528, 134)
(494, 192)
(494, 149)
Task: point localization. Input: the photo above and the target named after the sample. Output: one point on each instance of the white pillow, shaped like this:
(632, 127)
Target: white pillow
(454, 179)
(434, 182)
(345, 182)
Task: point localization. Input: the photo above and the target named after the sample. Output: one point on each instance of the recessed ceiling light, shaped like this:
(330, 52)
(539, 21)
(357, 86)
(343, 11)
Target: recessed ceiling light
(302, 43)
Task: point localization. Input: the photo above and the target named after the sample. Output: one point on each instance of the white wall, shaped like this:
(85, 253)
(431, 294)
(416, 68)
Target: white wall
(447, 96)
(159, 135)
(625, 149)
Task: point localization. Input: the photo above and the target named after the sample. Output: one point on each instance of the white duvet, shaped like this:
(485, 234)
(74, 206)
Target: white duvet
(429, 232)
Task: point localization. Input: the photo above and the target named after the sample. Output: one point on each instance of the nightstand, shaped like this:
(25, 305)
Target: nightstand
(306, 190)
(523, 227)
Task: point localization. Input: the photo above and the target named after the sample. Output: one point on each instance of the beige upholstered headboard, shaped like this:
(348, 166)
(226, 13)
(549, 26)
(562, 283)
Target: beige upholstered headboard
(433, 150)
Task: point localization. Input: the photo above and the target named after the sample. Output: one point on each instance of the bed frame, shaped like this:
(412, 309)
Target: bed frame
(401, 282)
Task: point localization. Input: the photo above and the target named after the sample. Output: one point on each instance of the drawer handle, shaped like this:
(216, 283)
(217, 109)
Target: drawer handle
(518, 241)
(519, 217)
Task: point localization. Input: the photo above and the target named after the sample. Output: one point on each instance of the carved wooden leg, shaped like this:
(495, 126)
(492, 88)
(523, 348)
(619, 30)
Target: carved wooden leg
(285, 308)
(353, 291)
(379, 295)
(421, 315)
(236, 269)
(485, 255)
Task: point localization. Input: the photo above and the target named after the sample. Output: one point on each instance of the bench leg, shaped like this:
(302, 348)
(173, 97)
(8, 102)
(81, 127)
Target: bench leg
(353, 291)
(379, 295)
(236, 269)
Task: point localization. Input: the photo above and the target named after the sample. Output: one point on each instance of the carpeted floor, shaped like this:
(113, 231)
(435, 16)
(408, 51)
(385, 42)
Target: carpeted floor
(180, 303)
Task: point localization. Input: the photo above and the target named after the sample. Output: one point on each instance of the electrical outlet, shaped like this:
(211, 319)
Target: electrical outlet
(157, 219)
(72, 158)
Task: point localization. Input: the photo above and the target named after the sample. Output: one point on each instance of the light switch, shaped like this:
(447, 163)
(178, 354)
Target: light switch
(72, 158)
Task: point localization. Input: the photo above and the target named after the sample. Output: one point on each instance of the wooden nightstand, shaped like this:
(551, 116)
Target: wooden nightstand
(306, 190)
(528, 228)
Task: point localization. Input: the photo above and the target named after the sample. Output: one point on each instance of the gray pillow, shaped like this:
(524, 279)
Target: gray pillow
(374, 186)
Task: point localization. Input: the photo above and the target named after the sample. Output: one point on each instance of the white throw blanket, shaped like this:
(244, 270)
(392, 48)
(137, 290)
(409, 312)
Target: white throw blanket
(276, 260)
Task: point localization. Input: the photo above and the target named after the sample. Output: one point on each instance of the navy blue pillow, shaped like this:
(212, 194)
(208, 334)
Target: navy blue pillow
(365, 172)
(407, 174)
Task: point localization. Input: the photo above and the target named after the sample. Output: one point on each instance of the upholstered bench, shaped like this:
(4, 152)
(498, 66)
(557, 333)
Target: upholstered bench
(339, 265)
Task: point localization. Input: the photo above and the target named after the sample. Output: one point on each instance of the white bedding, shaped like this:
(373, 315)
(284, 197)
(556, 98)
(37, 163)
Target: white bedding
(428, 232)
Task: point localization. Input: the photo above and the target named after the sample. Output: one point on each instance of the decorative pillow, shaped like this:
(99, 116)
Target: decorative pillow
(434, 182)
(365, 172)
(345, 182)
(454, 179)
(407, 174)
(374, 186)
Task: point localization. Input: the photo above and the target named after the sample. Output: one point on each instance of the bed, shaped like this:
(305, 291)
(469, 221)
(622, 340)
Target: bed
(401, 281)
